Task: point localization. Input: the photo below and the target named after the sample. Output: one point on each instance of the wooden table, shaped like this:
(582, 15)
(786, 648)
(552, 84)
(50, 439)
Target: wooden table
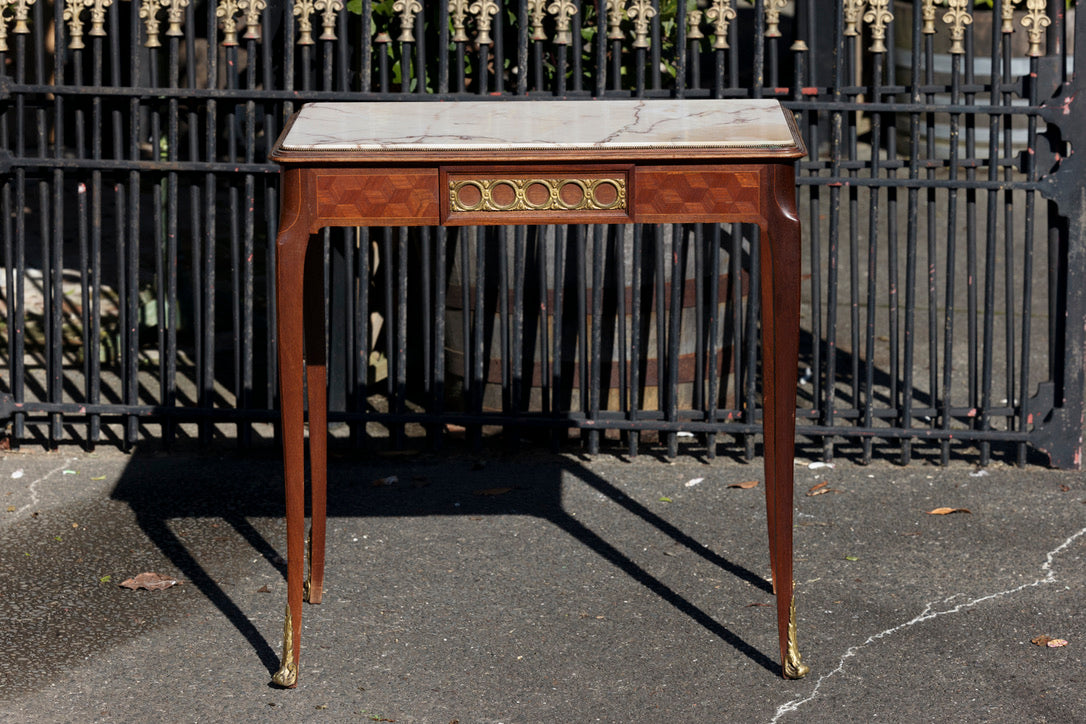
(541, 162)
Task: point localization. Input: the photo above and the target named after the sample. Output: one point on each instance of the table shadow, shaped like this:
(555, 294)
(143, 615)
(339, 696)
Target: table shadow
(161, 489)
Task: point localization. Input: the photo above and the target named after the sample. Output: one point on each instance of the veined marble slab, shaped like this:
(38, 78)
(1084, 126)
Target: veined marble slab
(570, 125)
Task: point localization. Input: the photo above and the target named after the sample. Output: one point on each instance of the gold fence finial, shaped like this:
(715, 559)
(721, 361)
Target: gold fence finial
(1007, 16)
(878, 17)
(562, 10)
(72, 15)
(4, 27)
(641, 11)
(227, 11)
(484, 11)
(252, 10)
(22, 14)
(407, 9)
(773, 17)
(927, 13)
(693, 25)
(1035, 22)
(303, 10)
(614, 19)
(458, 11)
(329, 10)
(852, 9)
(721, 13)
(957, 18)
(98, 16)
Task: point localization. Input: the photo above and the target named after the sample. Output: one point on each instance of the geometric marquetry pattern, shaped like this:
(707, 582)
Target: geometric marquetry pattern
(682, 193)
(409, 196)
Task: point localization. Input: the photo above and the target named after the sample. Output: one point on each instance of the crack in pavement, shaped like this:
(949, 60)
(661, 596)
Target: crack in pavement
(32, 488)
(926, 615)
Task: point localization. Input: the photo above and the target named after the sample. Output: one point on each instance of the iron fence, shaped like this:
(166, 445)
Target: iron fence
(941, 198)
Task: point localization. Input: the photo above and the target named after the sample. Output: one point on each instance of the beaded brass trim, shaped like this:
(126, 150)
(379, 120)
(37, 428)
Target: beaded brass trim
(537, 194)
(287, 676)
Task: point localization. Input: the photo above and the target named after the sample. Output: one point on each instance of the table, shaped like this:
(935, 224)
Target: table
(539, 162)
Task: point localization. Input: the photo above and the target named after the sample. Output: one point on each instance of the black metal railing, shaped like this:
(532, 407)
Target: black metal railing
(942, 287)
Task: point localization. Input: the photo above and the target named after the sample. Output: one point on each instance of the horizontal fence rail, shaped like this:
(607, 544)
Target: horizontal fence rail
(943, 261)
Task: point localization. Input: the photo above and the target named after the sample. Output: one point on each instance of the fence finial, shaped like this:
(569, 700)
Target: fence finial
(226, 11)
(252, 10)
(329, 10)
(1035, 22)
(303, 10)
(614, 19)
(458, 11)
(642, 12)
(853, 9)
(407, 9)
(773, 17)
(879, 16)
(721, 13)
(693, 25)
(483, 10)
(563, 10)
(927, 13)
(957, 18)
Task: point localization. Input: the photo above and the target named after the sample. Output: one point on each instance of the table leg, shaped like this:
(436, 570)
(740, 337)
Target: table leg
(290, 265)
(316, 382)
(780, 259)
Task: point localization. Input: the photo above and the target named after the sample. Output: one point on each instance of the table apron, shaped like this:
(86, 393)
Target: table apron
(538, 194)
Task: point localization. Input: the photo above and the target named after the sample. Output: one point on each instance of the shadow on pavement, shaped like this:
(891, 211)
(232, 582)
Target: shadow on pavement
(162, 492)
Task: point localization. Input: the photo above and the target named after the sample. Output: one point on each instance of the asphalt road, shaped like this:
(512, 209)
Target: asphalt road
(538, 588)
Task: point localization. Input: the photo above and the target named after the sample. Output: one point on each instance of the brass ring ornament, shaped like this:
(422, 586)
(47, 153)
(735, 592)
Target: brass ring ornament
(537, 194)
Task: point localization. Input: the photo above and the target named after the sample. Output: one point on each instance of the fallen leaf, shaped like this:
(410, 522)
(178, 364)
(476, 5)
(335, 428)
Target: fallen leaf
(752, 605)
(11, 508)
(263, 589)
(69, 472)
(852, 558)
(150, 581)
(491, 491)
(99, 477)
(1065, 488)
(745, 486)
(948, 511)
(1041, 640)
(821, 489)
(665, 499)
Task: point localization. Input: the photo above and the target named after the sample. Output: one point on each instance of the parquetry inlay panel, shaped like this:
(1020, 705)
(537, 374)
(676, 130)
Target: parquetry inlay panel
(410, 196)
(670, 192)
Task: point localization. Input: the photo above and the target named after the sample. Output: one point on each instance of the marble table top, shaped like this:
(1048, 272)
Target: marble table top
(483, 126)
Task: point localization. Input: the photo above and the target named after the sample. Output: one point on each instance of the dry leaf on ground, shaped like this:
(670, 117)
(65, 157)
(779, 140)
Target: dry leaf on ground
(745, 486)
(948, 511)
(150, 581)
(821, 489)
